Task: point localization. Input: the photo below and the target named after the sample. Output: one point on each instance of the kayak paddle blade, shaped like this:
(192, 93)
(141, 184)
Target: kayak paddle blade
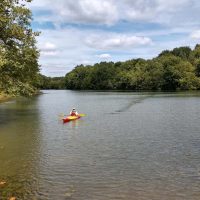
(82, 115)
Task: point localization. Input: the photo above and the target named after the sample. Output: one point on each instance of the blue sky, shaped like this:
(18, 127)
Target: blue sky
(88, 31)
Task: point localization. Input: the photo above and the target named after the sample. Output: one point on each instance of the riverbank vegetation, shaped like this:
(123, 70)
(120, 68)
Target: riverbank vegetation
(18, 53)
(55, 83)
(178, 69)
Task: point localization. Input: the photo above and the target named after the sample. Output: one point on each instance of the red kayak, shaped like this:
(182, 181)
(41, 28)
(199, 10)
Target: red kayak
(70, 118)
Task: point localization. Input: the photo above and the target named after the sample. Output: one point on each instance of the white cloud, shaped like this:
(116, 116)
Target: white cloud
(151, 10)
(48, 46)
(48, 53)
(104, 56)
(109, 12)
(116, 41)
(48, 49)
(79, 11)
(195, 35)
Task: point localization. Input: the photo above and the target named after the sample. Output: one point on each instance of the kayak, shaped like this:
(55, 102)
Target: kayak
(70, 118)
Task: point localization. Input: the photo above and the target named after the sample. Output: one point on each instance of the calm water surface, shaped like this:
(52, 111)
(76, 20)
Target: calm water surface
(130, 146)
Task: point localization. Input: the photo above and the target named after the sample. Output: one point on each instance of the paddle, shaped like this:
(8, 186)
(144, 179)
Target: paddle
(82, 115)
(62, 115)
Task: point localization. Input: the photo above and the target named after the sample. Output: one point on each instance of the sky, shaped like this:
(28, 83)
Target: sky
(75, 32)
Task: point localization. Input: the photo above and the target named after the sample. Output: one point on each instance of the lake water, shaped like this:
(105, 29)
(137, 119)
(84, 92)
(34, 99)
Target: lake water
(130, 146)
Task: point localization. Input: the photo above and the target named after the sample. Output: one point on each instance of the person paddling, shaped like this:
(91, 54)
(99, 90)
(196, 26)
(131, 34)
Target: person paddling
(74, 112)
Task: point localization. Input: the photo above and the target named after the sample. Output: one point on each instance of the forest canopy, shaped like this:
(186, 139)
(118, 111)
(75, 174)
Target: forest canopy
(178, 69)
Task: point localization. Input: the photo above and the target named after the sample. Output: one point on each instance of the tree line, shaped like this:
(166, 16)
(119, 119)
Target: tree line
(178, 69)
(55, 83)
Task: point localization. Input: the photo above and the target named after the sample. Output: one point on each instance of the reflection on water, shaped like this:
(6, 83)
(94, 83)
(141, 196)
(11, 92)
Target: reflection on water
(150, 149)
(19, 146)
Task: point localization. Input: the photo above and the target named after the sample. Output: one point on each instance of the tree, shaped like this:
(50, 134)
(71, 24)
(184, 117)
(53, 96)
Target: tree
(18, 53)
(102, 76)
(182, 52)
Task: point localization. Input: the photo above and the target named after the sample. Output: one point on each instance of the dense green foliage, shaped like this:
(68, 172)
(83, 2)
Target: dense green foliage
(18, 53)
(178, 69)
(45, 82)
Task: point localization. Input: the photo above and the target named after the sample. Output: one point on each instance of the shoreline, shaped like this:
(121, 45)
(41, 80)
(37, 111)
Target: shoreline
(4, 97)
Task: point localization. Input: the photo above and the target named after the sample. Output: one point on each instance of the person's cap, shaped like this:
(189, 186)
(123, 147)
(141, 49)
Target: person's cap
(73, 109)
